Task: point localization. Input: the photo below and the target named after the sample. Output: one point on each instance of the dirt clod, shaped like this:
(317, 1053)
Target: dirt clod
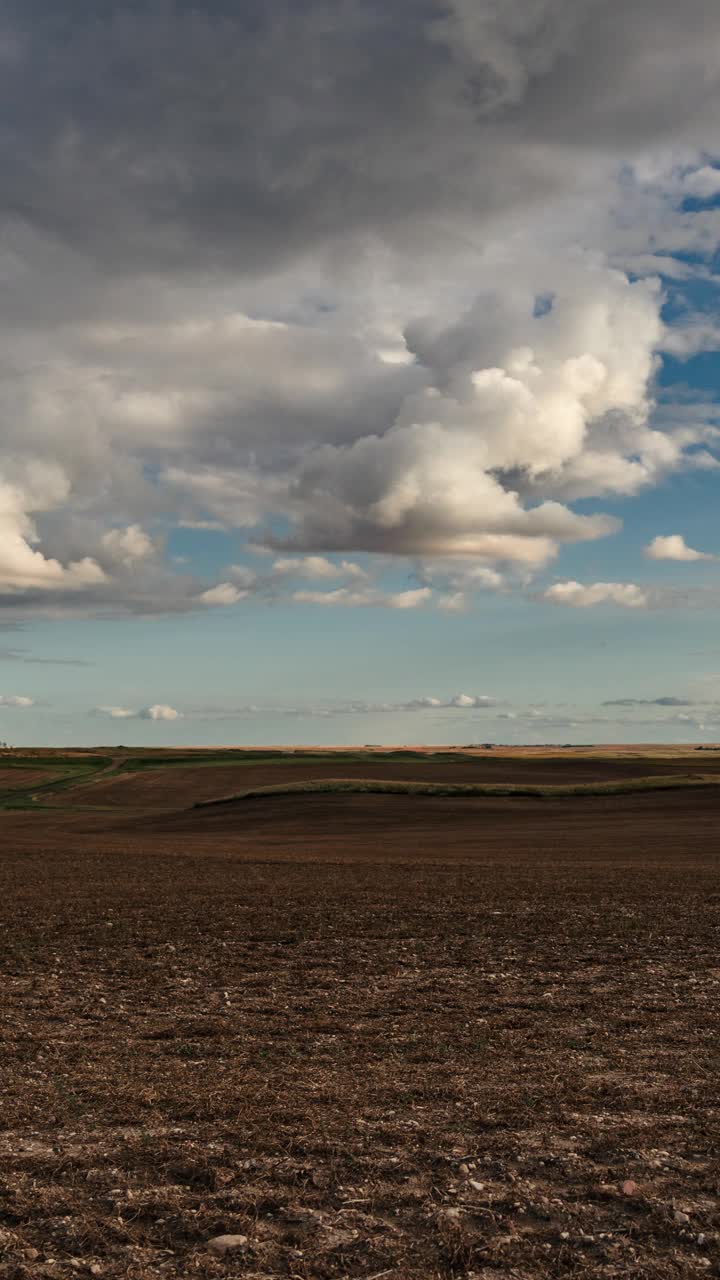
(227, 1244)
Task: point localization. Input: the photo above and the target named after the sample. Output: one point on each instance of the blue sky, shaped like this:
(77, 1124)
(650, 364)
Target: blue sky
(360, 374)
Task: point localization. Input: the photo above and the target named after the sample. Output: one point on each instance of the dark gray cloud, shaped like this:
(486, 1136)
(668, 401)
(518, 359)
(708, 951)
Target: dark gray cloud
(171, 135)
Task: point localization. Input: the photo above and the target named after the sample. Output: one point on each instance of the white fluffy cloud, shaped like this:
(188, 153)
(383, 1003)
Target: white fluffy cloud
(316, 567)
(516, 405)
(460, 702)
(673, 547)
(225, 593)
(23, 567)
(703, 183)
(128, 546)
(370, 597)
(16, 700)
(577, 596)
(466, 701)
(158, 711)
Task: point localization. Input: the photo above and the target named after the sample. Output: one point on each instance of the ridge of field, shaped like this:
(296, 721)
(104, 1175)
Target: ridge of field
(460, 790)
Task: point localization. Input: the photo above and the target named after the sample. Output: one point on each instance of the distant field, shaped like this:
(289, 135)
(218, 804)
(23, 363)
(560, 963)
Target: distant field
(149, 780)
(376, 1035)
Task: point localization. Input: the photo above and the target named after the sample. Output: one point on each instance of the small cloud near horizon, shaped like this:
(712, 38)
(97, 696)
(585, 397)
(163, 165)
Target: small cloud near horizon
(674, 547)
(158, 711)
(575, 595)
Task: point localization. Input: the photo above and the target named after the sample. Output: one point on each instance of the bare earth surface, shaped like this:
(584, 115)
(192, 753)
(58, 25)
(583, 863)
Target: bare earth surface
(393, 1036)
(11, 779)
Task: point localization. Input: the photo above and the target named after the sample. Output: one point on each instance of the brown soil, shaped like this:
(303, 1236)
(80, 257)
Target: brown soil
(681, 825)
(386, 1036)
(19, 779)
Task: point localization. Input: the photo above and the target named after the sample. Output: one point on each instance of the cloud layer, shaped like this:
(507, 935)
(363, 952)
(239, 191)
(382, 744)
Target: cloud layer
(345, 279)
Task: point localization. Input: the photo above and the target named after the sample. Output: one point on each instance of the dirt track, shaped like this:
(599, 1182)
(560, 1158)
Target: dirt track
(374, 1035)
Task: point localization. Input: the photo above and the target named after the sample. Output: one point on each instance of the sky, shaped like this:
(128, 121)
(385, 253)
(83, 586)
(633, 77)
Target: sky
(359, 371)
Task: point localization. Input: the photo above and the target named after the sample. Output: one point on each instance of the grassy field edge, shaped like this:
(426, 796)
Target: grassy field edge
(372, 786)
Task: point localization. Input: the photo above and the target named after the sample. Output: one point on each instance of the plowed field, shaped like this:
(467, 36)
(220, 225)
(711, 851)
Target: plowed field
(17, 779)
(396, 1036)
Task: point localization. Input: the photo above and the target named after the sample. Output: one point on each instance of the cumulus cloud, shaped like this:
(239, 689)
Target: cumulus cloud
(129, 545)
(703, 183)
(16, 700)
(316, 567)
(673, 547)
(577, 596)
(517, 405)
(225, 593)
(354, 707)
(466, 701)
(158, 711)
(630, 595)
(23, 566)
(460, 702)
(349, 598)
(365, 278)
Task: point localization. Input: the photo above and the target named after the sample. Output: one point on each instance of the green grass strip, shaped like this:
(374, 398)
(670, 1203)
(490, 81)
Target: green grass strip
(68, 775)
